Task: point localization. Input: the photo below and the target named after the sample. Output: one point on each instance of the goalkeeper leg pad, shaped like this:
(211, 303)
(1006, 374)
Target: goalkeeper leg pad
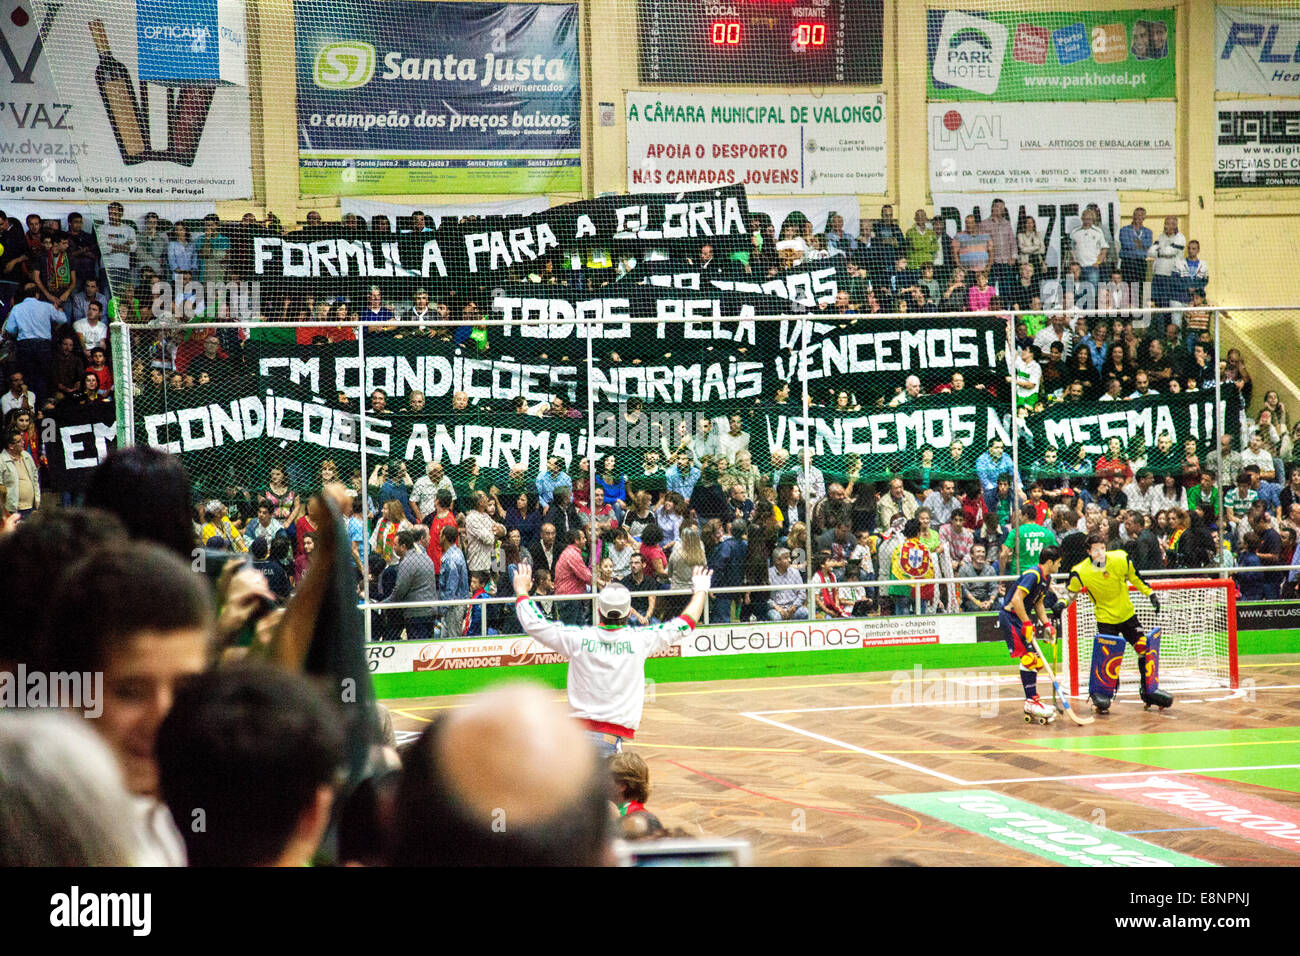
(1107, 655)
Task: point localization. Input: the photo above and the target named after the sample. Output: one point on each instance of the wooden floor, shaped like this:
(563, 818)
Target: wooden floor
(795, 765)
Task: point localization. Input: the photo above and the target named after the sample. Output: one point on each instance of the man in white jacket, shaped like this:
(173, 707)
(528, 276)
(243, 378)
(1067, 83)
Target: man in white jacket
(1166, 251)
(607, 662)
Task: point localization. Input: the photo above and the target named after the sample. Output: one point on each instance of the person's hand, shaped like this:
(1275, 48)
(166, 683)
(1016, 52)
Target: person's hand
(523, 580)
(246, 591)
(1155, 603)
(701, 579)
(10, 523)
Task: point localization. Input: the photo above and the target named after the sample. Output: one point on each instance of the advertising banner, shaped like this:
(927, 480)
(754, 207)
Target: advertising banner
(1020, 56)
(812, 145)
(982, 147)
(402, 96)
(94, 109)
(1258, 144)
(1196, 799)
(1054, 214)
(714, 641)
(1258, 50)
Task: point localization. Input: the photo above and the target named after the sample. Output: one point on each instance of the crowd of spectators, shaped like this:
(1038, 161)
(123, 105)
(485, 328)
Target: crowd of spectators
(698, 494)
(192, 724)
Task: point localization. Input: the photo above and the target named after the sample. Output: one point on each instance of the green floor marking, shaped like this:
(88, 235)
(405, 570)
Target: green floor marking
(1254, 748)
(1044, 832)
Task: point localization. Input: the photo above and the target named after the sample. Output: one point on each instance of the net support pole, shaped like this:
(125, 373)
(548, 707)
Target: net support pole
(805, 454)
(365, 484)
(1015, 442)
(120, 346)
(591, 473)
(1218, 445)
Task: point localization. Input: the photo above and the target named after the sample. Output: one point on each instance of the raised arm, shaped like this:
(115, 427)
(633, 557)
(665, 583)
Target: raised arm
(535, 624)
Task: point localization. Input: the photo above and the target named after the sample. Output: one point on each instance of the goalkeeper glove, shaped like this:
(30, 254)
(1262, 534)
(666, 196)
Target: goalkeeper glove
(1155, 603)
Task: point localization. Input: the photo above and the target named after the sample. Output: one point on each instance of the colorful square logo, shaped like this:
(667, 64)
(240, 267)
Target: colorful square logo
(969, 53)
(1109, 43)
(1030, 45)
(1071, 44)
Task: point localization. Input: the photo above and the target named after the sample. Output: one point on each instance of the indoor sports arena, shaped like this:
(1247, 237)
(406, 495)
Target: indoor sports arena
(767, 433)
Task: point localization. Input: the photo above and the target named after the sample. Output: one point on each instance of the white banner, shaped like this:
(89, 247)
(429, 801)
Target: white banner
(844, 634)
(175, 142)
(1257, 50)
(1051, 146)
(369, 208)
(1257, 143)
(1054, 214)
(800, 145)
(818, 209)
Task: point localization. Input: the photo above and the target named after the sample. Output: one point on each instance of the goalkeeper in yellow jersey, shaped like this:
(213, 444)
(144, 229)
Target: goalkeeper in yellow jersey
(1106, 576)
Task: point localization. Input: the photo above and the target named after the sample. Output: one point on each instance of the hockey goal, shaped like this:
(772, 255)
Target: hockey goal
(1198, 642)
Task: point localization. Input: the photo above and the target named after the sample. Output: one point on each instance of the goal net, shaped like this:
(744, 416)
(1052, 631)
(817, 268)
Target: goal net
(1198, 642)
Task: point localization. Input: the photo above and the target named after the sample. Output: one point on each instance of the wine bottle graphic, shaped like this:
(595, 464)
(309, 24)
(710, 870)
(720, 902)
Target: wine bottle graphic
(187, 113)
(125, 115)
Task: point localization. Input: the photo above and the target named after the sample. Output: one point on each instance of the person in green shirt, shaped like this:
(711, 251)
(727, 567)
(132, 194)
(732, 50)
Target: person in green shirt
(1239, 499)
(922, 242)
(1207, 491)
(927, 535)
(1027, 541)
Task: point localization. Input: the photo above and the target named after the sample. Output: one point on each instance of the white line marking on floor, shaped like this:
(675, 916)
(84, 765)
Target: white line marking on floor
(862, 750)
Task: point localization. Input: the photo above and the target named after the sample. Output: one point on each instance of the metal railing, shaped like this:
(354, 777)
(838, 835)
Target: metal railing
(916, 585)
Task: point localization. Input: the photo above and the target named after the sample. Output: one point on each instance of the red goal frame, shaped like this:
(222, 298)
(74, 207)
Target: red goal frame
(1072, 615)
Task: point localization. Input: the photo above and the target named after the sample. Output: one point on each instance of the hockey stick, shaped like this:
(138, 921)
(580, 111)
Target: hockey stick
(1057, 693)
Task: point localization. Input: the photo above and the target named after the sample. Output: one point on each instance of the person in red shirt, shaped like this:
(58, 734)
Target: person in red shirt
(102, 372)
(442, 517)
(828, 600)
(1041, 508)
(974, 505)
(1114, 465)
(572, 576)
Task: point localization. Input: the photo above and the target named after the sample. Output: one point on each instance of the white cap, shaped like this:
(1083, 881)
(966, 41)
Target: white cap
(614, 601)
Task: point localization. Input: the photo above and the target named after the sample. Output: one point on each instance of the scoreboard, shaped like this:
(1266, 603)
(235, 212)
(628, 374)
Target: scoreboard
(786, 42)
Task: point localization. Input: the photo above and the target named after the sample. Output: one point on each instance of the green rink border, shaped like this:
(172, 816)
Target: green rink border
(785, 664)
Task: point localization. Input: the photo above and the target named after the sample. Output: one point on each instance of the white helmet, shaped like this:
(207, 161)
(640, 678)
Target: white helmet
(614, 603)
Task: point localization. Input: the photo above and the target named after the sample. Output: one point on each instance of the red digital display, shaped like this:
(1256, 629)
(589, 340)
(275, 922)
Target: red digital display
(810, 34)
(725, 33)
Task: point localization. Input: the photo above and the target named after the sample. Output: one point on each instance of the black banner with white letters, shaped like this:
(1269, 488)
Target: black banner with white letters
(75, 440)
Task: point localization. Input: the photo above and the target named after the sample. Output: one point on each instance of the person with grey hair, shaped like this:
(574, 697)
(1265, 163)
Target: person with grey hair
(62, 801)
(789, 603)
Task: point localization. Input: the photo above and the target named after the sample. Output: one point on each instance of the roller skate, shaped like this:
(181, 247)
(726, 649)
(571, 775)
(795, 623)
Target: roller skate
(1100, 702)
(1036, 710)
(1152, 695)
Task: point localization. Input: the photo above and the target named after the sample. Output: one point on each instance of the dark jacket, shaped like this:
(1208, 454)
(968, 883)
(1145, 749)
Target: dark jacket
(1144, 552)
(728, 563)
